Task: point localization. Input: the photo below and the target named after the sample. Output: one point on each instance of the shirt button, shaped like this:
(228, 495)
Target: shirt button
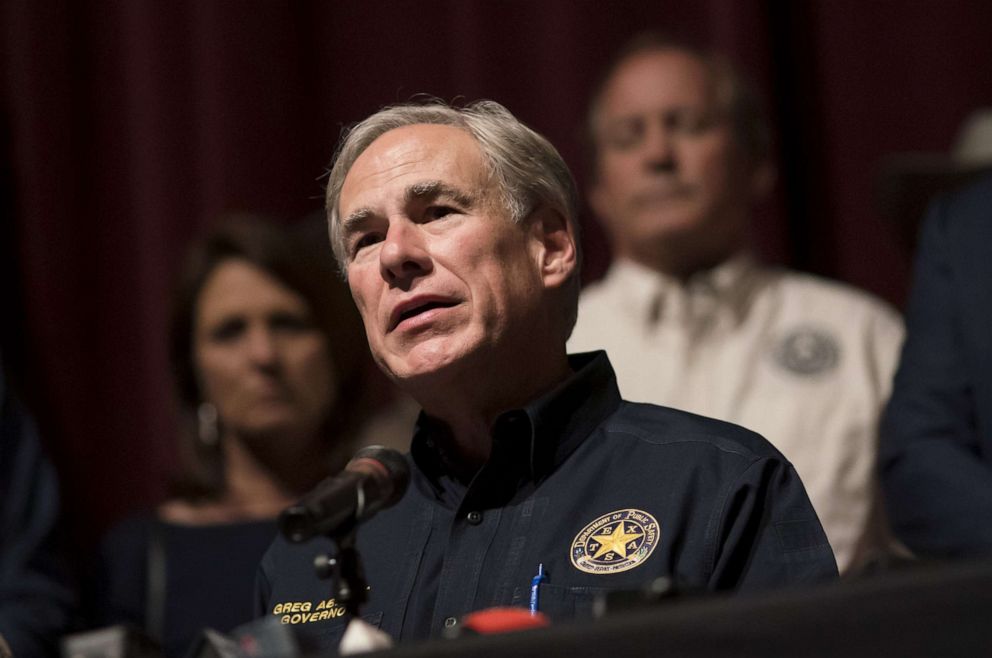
(474, 517)
(450, 622)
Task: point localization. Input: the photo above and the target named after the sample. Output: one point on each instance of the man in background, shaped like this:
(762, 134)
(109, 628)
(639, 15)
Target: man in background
(687, 315)
(936, 452)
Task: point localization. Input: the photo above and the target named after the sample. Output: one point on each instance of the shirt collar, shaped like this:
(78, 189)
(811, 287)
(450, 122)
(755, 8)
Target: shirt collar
(536, 438)
(651, 295)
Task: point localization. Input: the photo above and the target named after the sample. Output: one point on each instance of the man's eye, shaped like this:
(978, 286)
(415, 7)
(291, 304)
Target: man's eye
(437, 212)
(366, 240)
(624, 135)
(690, 122)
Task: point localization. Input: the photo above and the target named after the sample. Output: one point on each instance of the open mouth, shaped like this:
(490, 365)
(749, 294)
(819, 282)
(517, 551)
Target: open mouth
(419, 309)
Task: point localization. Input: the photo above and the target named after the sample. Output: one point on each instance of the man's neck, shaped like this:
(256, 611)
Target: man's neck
(464, 412)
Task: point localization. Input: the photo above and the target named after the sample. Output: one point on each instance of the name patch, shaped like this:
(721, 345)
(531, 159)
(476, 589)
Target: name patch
(305, 612)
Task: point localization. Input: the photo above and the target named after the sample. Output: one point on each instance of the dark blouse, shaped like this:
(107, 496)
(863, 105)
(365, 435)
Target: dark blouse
(209, 576)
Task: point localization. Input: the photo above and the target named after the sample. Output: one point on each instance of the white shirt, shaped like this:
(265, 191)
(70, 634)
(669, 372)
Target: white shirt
(806, 362)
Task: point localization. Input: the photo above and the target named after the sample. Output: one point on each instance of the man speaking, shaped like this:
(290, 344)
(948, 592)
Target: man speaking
(456, 230)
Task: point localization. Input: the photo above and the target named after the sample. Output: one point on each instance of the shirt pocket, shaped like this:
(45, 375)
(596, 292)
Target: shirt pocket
(560, 603)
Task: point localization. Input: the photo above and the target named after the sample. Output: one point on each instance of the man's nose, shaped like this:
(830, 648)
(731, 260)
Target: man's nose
(659, 148)
(404, 254)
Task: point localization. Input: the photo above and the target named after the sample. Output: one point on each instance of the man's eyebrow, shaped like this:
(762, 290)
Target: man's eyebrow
(424, 191)
(354, 218)
(434, 189)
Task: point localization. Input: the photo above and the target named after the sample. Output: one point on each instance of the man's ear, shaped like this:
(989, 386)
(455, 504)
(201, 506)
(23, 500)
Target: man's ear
(555, 248)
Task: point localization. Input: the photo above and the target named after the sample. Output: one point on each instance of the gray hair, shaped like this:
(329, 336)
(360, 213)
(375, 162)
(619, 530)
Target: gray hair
(526, 169)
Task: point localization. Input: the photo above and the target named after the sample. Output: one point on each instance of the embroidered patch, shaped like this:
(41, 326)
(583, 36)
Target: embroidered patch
(615, 542)
(305, 612)
(807, 351)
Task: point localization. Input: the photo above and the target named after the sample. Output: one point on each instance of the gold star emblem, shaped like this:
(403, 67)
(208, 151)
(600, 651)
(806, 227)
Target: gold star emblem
(615, 541)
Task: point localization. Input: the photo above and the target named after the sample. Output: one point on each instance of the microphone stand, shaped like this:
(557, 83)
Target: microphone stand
(344, 568)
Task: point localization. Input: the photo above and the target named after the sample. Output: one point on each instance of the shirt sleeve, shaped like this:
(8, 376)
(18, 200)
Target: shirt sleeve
(36, 596)
(770, 537)
(938, 491)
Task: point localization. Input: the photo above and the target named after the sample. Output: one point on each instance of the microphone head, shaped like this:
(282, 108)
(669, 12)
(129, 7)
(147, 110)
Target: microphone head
(387, 467)
(375, 478)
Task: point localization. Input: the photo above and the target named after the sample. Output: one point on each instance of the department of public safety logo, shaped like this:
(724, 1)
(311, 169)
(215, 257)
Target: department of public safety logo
(807, 351)
(615, 542)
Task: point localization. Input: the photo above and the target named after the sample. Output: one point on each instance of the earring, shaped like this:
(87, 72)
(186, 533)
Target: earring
(207, 430)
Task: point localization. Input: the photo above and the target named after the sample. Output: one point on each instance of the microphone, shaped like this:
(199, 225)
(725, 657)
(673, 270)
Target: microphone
(374, 479)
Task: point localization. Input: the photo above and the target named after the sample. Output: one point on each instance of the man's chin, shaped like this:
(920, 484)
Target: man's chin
(656, 233)
(662, 224)
(415, 371)
(408, 356)
(411, 375)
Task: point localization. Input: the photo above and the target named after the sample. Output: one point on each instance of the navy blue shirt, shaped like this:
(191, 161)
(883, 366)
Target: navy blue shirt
(606, 494)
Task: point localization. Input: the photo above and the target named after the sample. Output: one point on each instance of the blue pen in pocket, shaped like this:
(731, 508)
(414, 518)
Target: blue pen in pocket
(535, 584)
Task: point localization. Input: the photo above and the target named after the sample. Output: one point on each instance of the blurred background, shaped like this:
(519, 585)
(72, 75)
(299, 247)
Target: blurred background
(129, 126)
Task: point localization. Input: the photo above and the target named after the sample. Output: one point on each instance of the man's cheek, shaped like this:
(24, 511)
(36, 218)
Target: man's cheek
(364, 308)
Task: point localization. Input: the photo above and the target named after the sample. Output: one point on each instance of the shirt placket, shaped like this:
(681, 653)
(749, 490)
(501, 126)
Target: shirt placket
(469, 541)
(476, 525)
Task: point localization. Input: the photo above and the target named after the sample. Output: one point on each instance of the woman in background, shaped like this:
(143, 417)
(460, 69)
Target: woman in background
(268, 357)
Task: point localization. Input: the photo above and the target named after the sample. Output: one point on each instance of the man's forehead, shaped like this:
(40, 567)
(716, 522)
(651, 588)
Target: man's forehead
(659, 76)
(428, 151)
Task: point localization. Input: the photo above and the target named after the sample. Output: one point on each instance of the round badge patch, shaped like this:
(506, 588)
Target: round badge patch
(615, 542)
(808, 351)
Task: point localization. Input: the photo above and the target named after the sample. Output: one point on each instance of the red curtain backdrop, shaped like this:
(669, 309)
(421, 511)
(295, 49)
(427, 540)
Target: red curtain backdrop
(130, 125)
